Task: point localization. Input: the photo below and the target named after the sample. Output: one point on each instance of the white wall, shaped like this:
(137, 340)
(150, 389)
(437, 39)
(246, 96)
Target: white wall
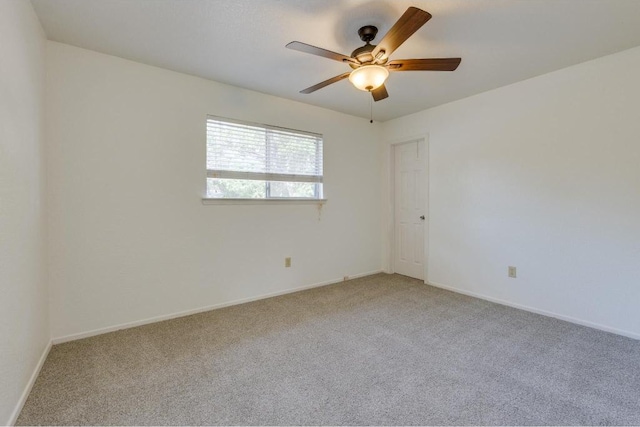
(129, 236)
(24, 329)
(543, 175)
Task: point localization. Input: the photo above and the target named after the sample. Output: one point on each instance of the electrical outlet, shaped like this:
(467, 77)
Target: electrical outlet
(287, 262)
(512, 272)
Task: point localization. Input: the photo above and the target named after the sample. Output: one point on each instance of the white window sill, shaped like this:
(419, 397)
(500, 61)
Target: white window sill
(273, 201)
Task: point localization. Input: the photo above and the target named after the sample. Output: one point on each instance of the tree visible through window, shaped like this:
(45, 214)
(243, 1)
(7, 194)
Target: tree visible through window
(253, 161)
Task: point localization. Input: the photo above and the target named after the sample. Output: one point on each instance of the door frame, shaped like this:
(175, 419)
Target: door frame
(391, 215)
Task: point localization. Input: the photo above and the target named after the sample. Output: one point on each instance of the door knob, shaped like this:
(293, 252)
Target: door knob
(422, 217)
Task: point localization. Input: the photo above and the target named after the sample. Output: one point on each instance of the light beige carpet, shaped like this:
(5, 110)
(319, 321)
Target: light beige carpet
(383, 349)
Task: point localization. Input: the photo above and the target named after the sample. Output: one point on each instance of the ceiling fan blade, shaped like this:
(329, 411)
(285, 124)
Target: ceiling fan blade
(429, 64)
(318, 51)
(325, 83)
(380, 93)
(409, 23)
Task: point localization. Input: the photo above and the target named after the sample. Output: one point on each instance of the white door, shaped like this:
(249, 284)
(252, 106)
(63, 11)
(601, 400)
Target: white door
(409, 200)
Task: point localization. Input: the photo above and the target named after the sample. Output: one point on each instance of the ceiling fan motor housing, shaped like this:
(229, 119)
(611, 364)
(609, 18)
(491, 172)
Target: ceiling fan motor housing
(363, 53)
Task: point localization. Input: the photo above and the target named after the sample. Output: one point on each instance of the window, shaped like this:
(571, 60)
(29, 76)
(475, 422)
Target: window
(253, 161)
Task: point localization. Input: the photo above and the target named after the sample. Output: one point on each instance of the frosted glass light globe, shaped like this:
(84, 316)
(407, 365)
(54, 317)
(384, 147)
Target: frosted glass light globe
(369, 77)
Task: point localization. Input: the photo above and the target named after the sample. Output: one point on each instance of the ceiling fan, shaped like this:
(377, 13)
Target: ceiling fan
(370, 63)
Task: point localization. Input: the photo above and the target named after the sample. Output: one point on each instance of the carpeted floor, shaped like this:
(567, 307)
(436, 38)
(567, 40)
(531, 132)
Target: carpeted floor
(384, 349)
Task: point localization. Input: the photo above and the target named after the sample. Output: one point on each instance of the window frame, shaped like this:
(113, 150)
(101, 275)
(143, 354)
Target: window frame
(318, 180)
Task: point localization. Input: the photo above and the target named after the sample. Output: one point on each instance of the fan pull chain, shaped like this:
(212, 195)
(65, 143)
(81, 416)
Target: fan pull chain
(370, 110)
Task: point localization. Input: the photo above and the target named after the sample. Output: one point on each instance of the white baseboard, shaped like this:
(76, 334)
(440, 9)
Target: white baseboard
(570, 319)
(155, 319)
(29, 386)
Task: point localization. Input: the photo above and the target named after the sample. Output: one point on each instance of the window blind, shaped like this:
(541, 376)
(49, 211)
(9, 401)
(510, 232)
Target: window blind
(246, 151)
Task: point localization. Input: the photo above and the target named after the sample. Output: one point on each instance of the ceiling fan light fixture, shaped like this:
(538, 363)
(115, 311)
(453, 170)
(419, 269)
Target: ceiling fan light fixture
(369, 77)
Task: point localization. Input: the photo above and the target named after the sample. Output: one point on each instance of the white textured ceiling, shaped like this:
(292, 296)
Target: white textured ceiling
(242, 42)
